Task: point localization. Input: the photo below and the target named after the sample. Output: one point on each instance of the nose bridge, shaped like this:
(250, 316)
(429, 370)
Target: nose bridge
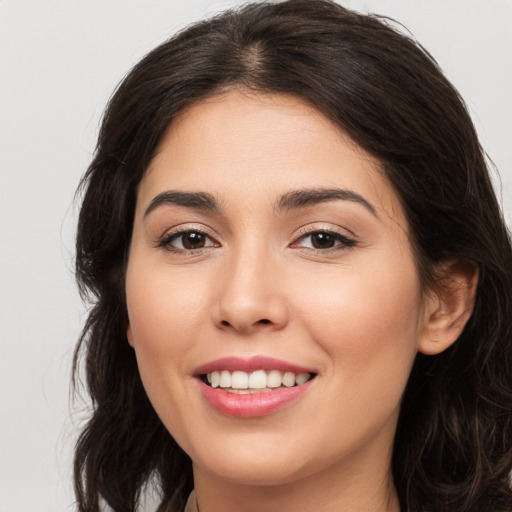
(249, 293)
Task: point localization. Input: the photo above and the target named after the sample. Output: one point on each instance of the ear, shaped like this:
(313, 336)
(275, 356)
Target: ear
(129, 335)
(449, 306)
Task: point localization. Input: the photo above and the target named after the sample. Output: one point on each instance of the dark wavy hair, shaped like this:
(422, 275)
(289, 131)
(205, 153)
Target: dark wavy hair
(453, 445)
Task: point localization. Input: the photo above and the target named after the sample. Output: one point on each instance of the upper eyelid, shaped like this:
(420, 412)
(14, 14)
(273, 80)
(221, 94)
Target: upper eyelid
(323, 228)
(181, 229)
(346, 240)
(302, 232)
(186, 228)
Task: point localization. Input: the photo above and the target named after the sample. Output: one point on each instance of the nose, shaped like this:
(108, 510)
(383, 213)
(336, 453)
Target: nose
(250, 297)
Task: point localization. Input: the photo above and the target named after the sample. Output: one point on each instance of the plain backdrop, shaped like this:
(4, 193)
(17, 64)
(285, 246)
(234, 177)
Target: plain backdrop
(59, 62)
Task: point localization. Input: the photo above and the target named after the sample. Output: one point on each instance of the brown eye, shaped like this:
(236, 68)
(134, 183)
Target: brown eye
(186, 241)
(325, 240)
(193, 240)
(322, 240)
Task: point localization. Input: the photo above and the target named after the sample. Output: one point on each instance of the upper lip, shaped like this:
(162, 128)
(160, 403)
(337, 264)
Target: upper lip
(250, 364)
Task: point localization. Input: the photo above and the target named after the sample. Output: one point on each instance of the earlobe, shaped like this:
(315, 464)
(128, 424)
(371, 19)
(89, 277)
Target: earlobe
(129, 335)
(449, 306)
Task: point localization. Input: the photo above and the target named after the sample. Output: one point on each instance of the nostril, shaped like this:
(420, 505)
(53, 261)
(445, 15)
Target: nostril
(242, 326)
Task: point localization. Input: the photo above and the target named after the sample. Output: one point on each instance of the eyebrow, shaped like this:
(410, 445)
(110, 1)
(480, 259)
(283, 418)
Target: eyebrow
(307, 197)
(292, 200)
(196, 200)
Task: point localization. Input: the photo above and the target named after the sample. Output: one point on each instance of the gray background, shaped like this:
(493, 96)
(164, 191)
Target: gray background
(59, 62)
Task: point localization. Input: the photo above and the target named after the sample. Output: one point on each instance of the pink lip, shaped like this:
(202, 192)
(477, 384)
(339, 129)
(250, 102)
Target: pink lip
(250, 365)
(250, 405)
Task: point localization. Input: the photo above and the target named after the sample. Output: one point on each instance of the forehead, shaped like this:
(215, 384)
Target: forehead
(240, 146)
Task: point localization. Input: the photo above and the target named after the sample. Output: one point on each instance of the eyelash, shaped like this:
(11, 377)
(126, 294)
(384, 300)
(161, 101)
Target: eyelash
(166, 241)
(342, 242)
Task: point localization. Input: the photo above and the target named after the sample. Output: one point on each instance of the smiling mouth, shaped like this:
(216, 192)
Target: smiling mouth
(259, 381)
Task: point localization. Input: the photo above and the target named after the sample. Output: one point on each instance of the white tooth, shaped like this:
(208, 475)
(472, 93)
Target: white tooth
(274, 379)
(225, 379)
(289, 379)
(209, 377)
(248, 391)
(258, 380)
(239, 380)
(301, 378)
(215, 379)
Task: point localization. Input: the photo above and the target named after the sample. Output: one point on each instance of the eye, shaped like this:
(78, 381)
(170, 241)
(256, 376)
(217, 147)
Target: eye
(189, 240)
(324, 240)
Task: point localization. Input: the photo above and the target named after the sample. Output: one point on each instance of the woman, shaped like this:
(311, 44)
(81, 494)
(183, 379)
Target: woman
(301, 277)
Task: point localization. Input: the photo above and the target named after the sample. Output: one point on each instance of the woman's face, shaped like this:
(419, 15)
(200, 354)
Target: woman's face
(268, 249)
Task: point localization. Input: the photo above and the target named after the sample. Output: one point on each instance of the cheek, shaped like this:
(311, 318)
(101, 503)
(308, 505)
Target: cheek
(367, 322)
(165, 314)
(368, 328)
(163, 307)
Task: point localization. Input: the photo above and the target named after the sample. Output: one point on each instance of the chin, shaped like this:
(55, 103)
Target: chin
(257, 472)
(261, 461)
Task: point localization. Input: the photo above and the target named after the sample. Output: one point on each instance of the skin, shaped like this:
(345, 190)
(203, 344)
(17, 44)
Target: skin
(355, 312)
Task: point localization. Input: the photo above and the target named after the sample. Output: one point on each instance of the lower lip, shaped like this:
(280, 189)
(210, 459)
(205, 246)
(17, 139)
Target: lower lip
(251, 405)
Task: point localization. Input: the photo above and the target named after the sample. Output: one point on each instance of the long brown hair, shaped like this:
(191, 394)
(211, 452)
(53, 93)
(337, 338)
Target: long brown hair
(453, 446)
